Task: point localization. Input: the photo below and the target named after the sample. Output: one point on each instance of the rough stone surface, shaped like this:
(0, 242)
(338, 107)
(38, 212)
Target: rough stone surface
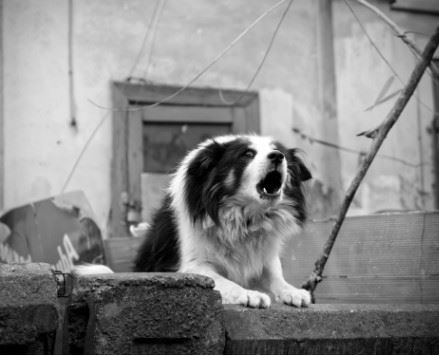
(333, 329)
(28, 308)
(27, 282)
(144, 313)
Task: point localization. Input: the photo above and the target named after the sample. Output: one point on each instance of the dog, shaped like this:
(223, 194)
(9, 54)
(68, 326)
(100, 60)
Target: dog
(232, 203)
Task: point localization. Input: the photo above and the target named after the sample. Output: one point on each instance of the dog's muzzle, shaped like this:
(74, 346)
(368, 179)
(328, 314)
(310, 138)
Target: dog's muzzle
(270, 187)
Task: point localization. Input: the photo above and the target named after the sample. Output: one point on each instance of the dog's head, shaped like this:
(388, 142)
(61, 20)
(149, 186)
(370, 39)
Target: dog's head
(254, 169)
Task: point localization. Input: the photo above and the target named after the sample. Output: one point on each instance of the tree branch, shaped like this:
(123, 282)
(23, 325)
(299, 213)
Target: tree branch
(378, 135)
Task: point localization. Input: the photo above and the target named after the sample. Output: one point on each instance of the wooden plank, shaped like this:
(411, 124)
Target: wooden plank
(135, 155)
(120, 252)
(252, 116)
(188, 114)
(190, 96)
(389, 290)
(435, 136)
(429, 263)
(239, 121)
(119, 164)
(2, 141)
(396, 254)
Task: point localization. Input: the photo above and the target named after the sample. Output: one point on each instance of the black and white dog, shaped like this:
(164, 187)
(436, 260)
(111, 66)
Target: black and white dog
(231, 204)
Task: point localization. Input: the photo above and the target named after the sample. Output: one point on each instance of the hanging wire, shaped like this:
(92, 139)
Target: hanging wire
(145, 39)
(258, 69)
(153, 38)
(200, 73)
(84, 148)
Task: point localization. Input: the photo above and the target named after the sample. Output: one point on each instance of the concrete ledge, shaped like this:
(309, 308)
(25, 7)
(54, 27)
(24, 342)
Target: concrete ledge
(333, 329)
(28, 308)
(145, 313)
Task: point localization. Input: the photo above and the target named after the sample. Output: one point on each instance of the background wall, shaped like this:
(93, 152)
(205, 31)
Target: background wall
(361, 74)
(40, 147)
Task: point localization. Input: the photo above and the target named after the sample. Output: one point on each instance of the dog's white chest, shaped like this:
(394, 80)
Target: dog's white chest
(241, 245)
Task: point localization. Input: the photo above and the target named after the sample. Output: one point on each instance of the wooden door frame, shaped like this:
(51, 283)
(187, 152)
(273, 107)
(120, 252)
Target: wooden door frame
(2, 141)
(435, 140)
(127, 144)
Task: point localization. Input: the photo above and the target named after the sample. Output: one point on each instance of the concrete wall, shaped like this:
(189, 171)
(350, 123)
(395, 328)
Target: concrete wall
(40, 146)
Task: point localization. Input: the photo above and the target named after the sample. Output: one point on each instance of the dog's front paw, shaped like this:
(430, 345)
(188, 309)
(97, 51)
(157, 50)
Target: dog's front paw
(293, 296)
(246, 297)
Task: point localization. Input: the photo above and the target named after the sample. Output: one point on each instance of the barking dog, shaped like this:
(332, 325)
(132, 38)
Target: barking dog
(232, 203)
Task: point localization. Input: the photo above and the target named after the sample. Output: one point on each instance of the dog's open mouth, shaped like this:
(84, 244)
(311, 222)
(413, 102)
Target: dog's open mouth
(270, 186)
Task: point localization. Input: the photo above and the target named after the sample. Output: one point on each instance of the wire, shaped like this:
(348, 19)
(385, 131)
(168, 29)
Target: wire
(145, 39)
(84, 148)
(200, 73)
(352, 150)
(258, 69)
(154, 32)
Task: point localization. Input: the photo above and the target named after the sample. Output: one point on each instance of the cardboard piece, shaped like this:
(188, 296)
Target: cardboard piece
(61, 231)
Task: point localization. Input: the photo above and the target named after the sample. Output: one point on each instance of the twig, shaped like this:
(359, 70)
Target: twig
(380, 134)
(399, 32)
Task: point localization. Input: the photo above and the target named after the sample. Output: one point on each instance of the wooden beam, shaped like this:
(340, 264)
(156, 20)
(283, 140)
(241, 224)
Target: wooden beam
(190, 96)
(435, 140)
(2, 141)
(119, 166)
(329, 159)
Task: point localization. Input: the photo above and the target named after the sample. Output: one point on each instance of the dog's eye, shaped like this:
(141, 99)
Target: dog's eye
(250, 153)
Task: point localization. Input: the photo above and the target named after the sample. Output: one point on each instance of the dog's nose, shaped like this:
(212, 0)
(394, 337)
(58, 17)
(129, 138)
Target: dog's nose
(276, 156)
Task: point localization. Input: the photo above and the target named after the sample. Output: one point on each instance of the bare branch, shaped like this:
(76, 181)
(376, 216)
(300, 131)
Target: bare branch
(379, 134)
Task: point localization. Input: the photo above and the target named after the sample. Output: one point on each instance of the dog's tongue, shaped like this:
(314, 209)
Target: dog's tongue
(272, 182)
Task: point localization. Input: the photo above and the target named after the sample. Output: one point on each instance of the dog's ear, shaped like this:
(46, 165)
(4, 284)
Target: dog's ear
(202, 192)
(206, 160)
(296, 165)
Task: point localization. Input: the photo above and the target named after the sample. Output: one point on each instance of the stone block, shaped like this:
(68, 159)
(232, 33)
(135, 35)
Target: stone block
(28, 308)
(150, 313)
(333, 329)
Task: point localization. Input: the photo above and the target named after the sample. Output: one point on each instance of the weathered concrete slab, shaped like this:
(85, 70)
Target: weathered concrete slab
(145, 313)
(28, 308)
(333, 329)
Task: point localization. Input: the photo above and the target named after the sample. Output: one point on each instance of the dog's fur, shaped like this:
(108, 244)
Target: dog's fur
(231, 204)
